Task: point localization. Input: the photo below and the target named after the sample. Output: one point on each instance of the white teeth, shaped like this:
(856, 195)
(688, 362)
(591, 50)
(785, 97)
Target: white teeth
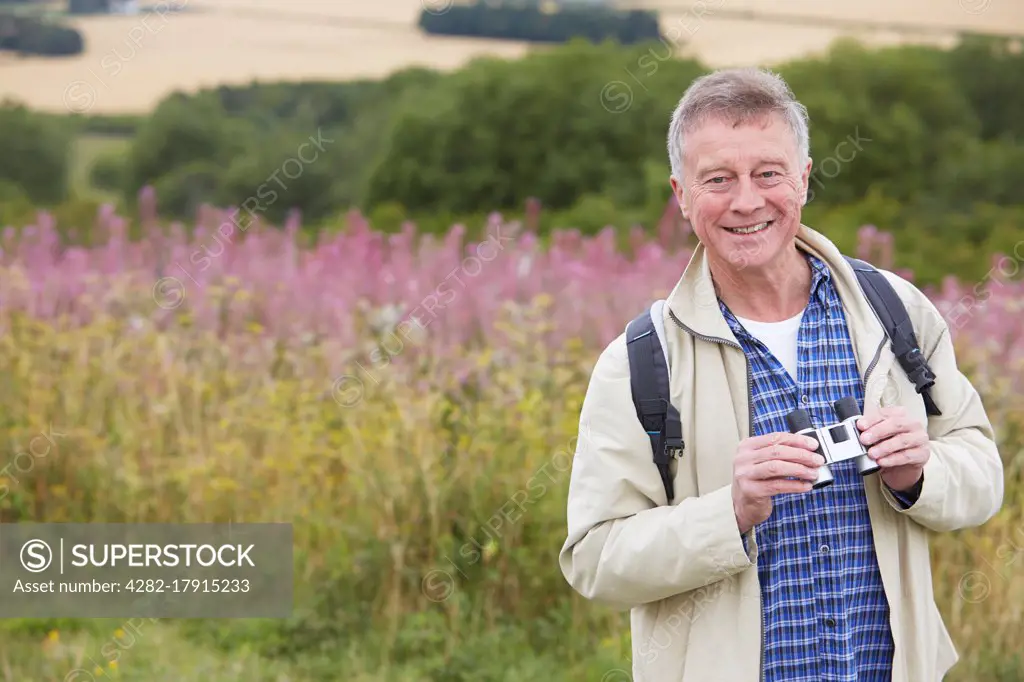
(748, 230)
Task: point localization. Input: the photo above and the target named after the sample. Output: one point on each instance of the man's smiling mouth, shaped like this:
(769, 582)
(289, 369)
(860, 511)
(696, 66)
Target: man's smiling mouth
(751, 229)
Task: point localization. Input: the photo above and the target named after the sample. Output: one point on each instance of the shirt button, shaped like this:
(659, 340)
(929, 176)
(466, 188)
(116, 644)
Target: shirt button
(830, 622)
(804, 399)
(823, 549)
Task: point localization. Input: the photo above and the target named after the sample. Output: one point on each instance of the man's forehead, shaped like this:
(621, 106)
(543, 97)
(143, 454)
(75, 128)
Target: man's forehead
(720, 142)
(712, 158)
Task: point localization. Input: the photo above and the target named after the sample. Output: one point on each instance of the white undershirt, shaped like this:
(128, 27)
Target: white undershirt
(780, 337)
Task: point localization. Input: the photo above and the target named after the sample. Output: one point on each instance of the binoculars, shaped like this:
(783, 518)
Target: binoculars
(836, 443)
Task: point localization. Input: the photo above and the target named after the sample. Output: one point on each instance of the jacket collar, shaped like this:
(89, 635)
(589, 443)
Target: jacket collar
(694, 304)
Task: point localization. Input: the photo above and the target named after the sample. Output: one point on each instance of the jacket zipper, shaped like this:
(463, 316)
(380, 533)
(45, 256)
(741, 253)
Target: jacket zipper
(750, 431)
(874, 361)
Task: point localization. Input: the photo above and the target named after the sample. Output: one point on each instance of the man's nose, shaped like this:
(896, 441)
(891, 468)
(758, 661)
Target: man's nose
(747, 198)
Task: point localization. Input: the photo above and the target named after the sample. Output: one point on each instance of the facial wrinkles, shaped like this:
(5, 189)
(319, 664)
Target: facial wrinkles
(785, 199)
(785, 195)
(794, 182)
(793, 198)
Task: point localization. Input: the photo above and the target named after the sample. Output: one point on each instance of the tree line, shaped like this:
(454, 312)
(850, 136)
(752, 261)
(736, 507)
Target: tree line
(27, 34)
(532, 20)
(928, 143)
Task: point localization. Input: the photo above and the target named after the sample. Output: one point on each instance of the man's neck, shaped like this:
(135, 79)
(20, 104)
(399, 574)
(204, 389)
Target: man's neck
(769, 295)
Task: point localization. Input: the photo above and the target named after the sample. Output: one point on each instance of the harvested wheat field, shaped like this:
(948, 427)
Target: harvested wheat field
(132, 62)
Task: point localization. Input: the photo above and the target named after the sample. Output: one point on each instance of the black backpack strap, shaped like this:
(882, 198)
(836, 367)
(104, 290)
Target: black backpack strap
(897, 323)
(649, 379)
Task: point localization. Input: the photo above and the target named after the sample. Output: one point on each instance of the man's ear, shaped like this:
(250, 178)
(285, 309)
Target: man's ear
(805, 178)
(680, 195)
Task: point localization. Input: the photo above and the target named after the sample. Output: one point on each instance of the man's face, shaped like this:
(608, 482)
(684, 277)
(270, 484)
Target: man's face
(748, 177)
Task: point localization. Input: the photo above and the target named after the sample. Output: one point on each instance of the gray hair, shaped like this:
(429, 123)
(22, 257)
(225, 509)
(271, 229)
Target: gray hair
(736, 95)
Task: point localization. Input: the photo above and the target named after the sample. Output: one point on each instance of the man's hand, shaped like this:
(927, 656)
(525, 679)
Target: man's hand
(898, 443)
(766, 466)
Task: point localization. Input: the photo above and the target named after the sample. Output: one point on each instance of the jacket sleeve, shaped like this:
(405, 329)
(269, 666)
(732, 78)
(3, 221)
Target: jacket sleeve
(962, 485)
(625, 546)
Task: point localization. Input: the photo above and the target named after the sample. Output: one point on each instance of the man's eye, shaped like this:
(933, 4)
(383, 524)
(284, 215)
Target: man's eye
(769, 174)
(716, 180)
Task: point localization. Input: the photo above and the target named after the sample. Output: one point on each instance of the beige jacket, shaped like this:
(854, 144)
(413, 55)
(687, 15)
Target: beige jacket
(681, 569)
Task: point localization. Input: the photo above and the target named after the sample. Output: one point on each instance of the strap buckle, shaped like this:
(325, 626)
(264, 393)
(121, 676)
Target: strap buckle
(673, 438)
(917, 369)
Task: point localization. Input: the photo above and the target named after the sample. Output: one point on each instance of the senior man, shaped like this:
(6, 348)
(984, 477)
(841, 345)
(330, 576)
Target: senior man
(748, 574)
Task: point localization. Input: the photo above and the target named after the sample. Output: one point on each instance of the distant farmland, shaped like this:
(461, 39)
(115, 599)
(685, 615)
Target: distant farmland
(132, 62)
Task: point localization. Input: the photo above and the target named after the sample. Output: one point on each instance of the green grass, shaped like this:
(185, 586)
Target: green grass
(129, 650)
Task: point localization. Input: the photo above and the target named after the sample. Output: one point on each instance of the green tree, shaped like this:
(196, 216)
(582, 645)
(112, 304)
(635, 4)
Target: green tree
(183, 132)
(184, 189)
(34, 153)
(291, 169)
(890, 120)
(498, 132)
(990, 73)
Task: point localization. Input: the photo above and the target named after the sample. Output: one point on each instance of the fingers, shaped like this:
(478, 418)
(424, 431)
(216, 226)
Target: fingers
(901, 441)
(780, 468)
(869, 420)
(887, 429)
(761, 489)
(786, 453)
(776, 463)
(913, 456)
(781, 438)
(781, 486)
(878, 415)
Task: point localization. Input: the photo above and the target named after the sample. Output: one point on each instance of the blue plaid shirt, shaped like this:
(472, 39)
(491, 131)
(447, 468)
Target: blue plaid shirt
(826, 617)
